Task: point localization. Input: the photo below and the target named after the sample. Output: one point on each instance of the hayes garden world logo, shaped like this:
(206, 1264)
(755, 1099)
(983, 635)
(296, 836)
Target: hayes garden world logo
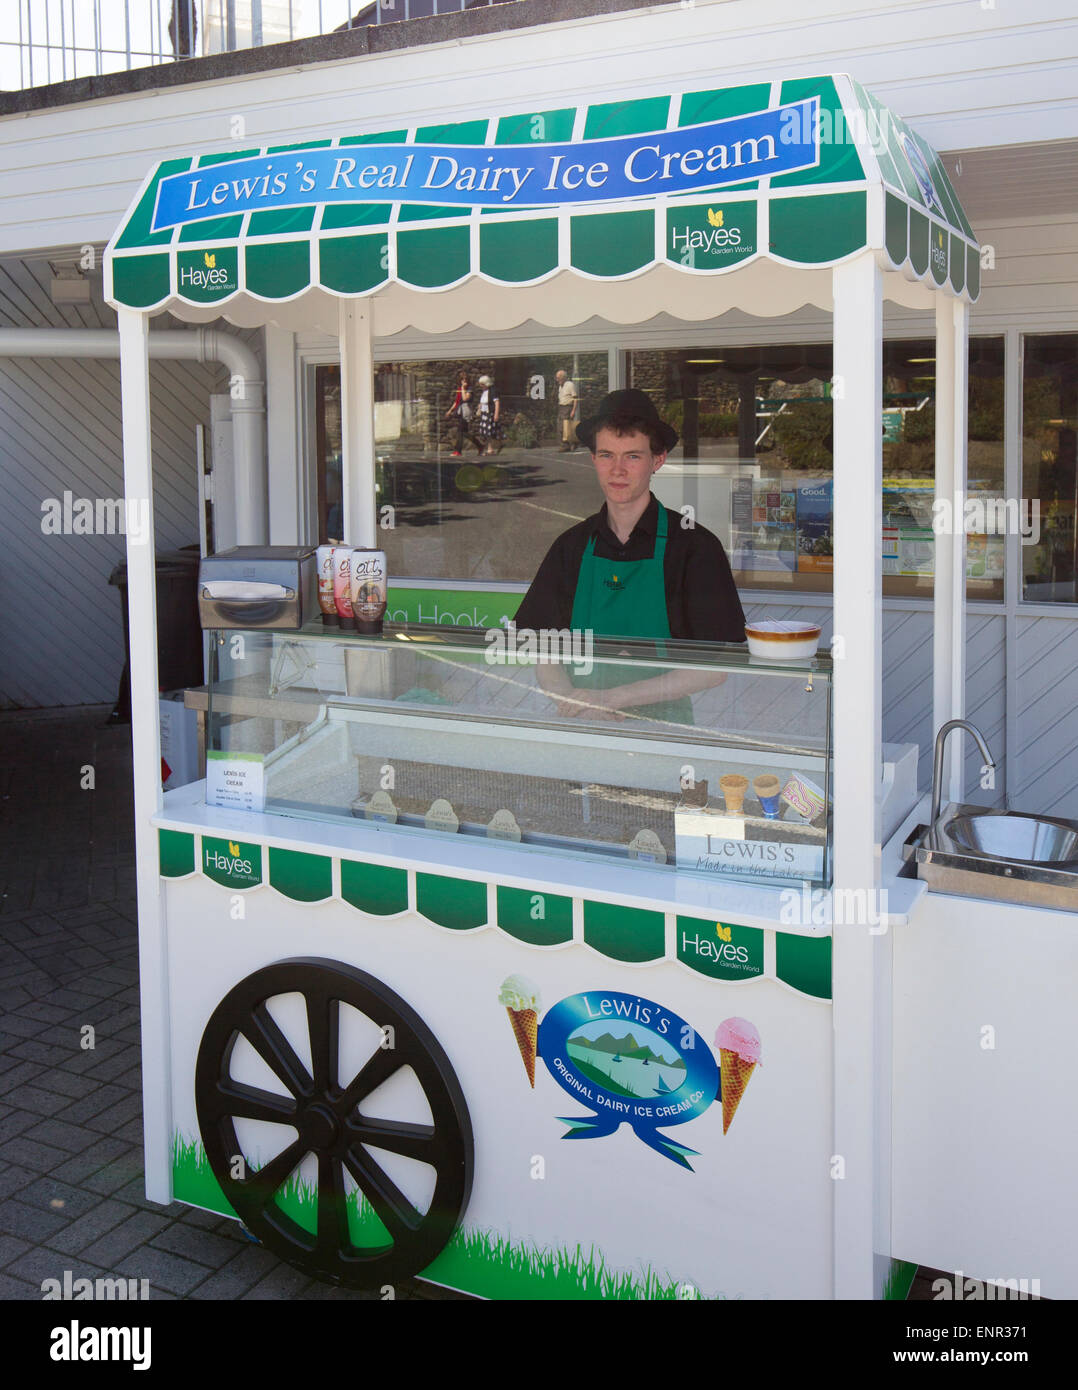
(631, 1060)
(205, 276)
(711, 236)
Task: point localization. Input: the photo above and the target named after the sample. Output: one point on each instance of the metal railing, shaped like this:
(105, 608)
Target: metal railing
(56, 40)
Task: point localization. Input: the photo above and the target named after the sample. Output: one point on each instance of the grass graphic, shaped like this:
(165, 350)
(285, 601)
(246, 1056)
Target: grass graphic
(485, 1263)
(603, 1078)
(899, 1280)
(475, 1261)
(193, 1181)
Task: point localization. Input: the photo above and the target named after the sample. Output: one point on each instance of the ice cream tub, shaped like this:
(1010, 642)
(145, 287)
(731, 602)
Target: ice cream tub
(777, 640)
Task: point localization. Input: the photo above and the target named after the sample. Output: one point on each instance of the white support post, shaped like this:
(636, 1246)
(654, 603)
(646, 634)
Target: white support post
(943, 630)
(858, 609)
(959, 310)
(288, 519)
(146, 757)
(357, 424)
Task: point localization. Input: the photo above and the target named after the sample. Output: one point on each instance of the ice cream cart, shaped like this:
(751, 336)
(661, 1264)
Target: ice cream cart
(435, 981)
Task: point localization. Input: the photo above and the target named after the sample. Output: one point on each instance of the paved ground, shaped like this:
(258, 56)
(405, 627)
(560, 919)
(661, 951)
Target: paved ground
(71, 1182)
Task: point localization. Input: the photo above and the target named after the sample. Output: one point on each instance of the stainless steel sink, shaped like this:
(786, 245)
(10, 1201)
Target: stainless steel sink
(1006, 855)
(1007, 835)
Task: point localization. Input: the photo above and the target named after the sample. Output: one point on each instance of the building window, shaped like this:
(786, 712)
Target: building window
(1049, 467)
(472, 499)
(755, 459)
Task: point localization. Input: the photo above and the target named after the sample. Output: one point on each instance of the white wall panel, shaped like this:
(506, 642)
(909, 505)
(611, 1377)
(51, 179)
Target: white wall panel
(968, 77)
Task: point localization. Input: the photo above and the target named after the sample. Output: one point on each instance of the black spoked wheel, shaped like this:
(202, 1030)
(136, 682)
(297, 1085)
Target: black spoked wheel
(356, 1227)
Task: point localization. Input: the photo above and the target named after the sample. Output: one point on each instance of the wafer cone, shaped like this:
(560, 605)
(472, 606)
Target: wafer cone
(734, 1075)
(525, 1029)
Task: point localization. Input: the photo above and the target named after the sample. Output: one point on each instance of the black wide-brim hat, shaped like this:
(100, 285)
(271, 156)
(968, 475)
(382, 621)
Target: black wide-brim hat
(636, 405)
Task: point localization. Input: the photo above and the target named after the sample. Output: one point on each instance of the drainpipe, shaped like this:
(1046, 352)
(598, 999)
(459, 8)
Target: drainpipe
(246, 388)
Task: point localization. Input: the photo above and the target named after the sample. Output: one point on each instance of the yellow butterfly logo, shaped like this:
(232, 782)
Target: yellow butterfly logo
(714, 217)
(723, 933)
(233, 849)
(210, 257)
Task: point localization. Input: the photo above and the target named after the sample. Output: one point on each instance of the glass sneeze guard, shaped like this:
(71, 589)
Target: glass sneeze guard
(717, 764)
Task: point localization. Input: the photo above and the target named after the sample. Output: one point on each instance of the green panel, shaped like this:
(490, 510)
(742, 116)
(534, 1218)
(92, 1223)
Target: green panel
(281, 223)
(919, 227)
(878, 121)
(895, 228)
(302, 145)
(614, 118)
(308, 878)
(352, 264)
(141, 281)
(374, 888)
(720, 950)
(939, 173)
(232, 862)
(430, 259)
(624, 933)
(536, 127)
(176, 853)
(279, 269)
(338, 215)
(804, 963)
(818, 231)
(537, 918)
(698, 108)
(137, 230)
(422, 212)
(518, 251)
(711, 236)
(212, 229)
(456, 903)
(612, 243)
(839, 160)
(385, 137)
(973, 271)
(455, 133)
(207, 275)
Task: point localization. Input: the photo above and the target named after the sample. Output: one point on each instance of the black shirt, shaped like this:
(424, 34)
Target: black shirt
(702, 602)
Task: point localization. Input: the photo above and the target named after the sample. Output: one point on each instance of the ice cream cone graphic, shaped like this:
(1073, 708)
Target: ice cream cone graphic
(738, 1042)
(520, 998)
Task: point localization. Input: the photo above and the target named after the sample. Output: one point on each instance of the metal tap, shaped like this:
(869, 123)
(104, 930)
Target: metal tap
(937, 761)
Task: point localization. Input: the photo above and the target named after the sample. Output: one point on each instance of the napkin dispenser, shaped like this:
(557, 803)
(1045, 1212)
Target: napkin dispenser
(259, 586)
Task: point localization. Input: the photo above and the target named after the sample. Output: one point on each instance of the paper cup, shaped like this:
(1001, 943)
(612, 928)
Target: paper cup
(734, 787)
(767, 789)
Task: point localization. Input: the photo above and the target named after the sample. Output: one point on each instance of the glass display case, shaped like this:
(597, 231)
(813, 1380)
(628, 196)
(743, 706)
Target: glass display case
(700, 758)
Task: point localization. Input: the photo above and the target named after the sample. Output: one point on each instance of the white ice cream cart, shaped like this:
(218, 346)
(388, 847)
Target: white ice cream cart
(432, 931)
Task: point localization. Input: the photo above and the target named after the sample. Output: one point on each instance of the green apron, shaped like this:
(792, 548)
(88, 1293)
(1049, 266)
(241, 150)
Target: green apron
(615, 598)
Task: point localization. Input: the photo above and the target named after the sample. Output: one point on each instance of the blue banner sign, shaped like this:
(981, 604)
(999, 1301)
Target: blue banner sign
(737, 150)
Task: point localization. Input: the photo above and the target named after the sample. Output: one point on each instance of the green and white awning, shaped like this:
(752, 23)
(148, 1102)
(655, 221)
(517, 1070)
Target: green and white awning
(618, 189)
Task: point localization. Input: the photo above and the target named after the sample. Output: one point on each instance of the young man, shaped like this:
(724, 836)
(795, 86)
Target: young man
(635, 570)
